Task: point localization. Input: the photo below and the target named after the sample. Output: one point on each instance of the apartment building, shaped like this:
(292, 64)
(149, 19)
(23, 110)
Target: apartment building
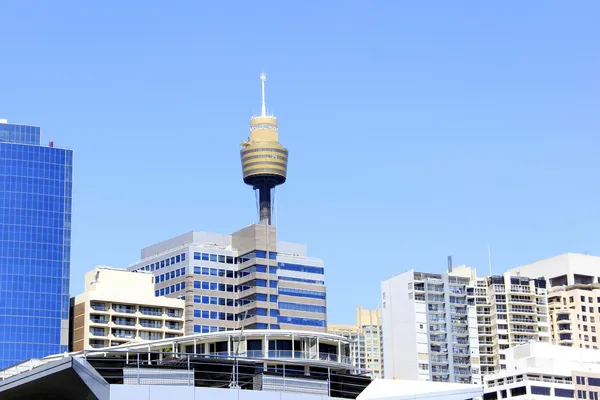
(574, 297)
(511, 310)
(455, 327)
(542, 370)
(247, 279)
(119, 306)
(367, 340)
(430, 327)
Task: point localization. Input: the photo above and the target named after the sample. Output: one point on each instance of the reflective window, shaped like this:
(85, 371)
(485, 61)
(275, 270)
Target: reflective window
(35, 244)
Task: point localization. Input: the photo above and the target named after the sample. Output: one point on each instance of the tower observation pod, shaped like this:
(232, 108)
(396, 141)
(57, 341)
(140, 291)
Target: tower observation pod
(264, 159)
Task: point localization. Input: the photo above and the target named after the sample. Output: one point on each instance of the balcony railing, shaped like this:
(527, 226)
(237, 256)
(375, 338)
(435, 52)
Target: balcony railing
(124, 335)
(174, 314)
(124, 322)
(125, 310)
(286, 354)
(99, 307)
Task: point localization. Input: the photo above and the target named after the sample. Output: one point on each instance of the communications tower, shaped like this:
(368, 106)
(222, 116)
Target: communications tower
(264, 159)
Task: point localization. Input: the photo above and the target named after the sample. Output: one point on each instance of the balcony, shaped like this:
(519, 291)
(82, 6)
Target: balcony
(174, 313)
(97, 332)
(99, 320)
(149, 323)
(562, 317)
(124, 334)
(564, 327)
(520, 289)
(124, 309)
(173, 325)
(150, 335)
(98, 306)
(157, 312)
(439, 360)
(124, 321)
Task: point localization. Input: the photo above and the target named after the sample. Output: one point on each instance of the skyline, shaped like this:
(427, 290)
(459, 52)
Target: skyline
(479, 127)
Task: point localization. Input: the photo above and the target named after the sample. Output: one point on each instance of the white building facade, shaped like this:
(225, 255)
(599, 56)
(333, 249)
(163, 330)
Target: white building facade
(542, 371)
(455, 327)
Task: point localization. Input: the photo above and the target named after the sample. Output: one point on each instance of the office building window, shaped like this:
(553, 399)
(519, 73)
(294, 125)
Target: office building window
(594, 381)
(540, 390)
(563, 393)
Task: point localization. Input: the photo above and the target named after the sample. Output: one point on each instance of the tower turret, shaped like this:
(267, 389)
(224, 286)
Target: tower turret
(264, 159)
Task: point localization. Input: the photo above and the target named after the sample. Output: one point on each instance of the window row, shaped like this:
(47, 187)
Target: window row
(223, 259)
(256, 283)
(222, 287)
(302, 321)
(170, 275)
(164, 263)
(301, 268)
(170, 289)
(207, 329)
(206, 314)
(221, 301)
(301, 280)
(283, 291)
(302, 307)
(224, 273)
(214, 300)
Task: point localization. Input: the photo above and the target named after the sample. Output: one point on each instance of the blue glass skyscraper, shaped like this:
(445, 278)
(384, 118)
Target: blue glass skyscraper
(35, 245)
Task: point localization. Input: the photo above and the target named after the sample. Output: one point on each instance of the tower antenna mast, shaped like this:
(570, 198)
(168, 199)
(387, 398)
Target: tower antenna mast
(263, 79)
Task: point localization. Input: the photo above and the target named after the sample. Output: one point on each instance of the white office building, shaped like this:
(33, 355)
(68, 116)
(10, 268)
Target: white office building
(430, 327)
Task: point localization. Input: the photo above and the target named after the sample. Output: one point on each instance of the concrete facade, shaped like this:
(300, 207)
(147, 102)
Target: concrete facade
(119, 306)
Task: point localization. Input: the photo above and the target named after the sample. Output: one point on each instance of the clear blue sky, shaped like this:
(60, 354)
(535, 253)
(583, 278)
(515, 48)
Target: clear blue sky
(416, 130)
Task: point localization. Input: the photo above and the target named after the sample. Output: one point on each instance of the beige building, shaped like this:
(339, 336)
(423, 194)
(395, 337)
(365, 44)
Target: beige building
(574, 297)
(119, 306)
(367, 340)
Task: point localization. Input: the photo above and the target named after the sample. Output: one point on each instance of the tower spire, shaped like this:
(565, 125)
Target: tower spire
(263, 79)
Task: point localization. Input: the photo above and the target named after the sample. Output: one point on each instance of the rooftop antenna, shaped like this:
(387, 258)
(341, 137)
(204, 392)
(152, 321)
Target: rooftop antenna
(263, 79)
(490, 259)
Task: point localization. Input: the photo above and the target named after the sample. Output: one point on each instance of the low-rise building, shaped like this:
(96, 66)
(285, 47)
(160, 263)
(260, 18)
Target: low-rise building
(542, 370)
(119, 306)
(278, 364)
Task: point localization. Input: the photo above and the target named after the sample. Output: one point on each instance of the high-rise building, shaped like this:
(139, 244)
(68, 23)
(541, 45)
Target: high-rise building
(574, 297)
(119, 306)
(367, 340)
(246, 279)
(264, 160)
(454, 327)
(35, 244)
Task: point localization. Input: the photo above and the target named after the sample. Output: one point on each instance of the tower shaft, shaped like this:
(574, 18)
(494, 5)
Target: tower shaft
(264, 198)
